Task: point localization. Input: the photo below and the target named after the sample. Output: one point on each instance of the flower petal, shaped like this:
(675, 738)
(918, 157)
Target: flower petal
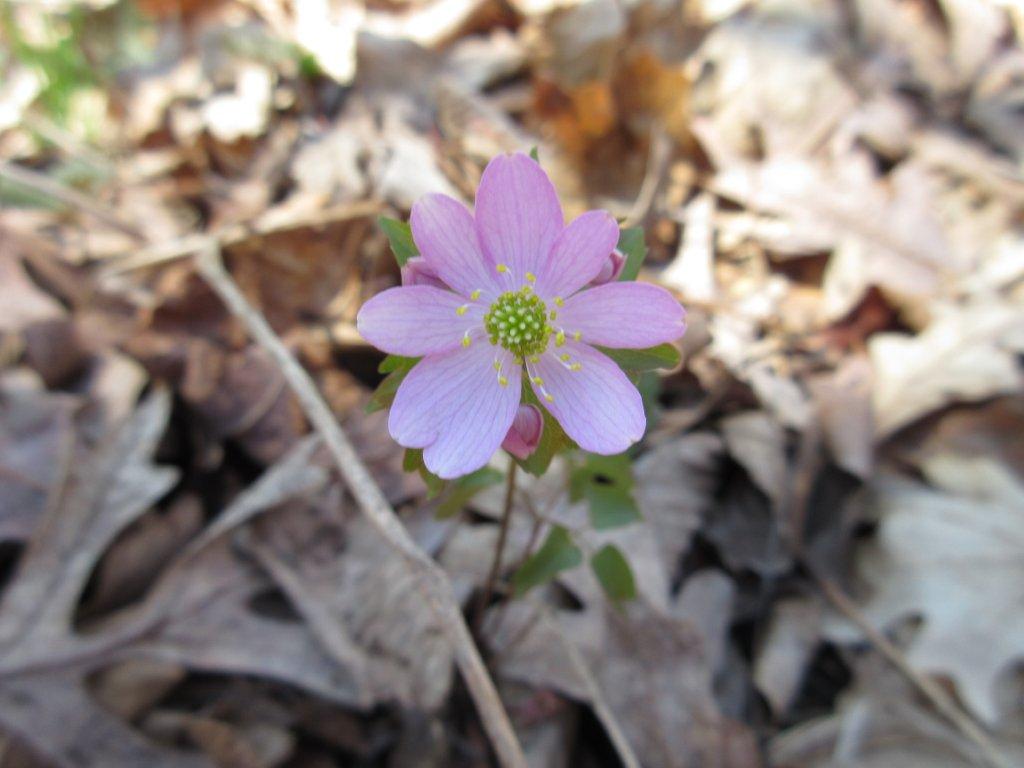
(455, 407)
(518, 215)
(624, 315)
(417, 272)
(418, 320)
(578, 254)
(597, 405)
(445, 234)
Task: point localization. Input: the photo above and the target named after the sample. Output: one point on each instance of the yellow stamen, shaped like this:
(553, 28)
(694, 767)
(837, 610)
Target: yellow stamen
(502, 269)
(549, 397)
(503, 381)
(565, 357)
(465, 339)
(560, 338)
(497, 365)
(535, 358)
(558, 301)
(553, 314)
(577, 336)
(576, 367)
(531, 278)
(538, 381)
(462, 310)
(474, 295)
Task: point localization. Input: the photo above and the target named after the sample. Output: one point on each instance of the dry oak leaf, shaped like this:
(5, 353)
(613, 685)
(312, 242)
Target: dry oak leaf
(653, 667)
(44, 661)
(965, 354)
(881, 723)
(952, 552)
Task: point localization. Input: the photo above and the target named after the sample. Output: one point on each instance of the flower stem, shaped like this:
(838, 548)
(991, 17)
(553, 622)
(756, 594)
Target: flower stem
(499, 549)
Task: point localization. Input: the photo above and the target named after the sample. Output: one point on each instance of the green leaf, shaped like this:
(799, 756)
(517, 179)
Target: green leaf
(399, 235)
(614, 574)
(606, 483)
(631, 243)
(413, 462)
(465, 488)
(557, 554)
(661, 356)
(611, 506)
(553, 439)
(397, 369)
(534, 154)
(607, 470)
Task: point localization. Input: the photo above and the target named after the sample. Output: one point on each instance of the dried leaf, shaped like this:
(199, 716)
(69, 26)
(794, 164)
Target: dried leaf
(36, 441)
(99, 500)
(966, 354)
(363, 608)
(951, 554)
(653, 669)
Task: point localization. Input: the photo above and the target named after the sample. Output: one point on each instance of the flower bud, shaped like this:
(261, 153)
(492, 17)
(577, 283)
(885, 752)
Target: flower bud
(524, 434)
(417, 272)
(611, 269)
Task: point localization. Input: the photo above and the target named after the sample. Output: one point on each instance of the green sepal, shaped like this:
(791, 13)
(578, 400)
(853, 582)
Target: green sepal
(631, 244)
(534, 154)
(399, 235)
(413, 462)
(648, 359)
(394, 363)
(396, 368)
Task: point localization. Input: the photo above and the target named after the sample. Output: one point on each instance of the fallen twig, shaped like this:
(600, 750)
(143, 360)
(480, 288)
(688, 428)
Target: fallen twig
(657, 165)
(597, 700)
(925, 685)
(808, 460)
(38, 182)
(433, 583)
(233, 234)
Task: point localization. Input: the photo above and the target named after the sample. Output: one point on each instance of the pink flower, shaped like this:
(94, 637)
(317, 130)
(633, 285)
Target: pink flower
(524, 435)
(514, 303)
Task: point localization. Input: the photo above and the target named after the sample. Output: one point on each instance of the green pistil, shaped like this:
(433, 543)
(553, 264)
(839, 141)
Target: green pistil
(518, 321)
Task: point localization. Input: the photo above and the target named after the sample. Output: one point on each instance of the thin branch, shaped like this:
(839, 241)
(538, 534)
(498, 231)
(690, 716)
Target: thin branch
(597, 699)
(431, 580)
(499, 548)
(233, 234)
(325, 624)
(809, 460)
(38, 182)
(68, 142)
(657, 165)
(927, 687)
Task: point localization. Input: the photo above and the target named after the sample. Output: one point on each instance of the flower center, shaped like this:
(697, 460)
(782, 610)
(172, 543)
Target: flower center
(518, 321)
